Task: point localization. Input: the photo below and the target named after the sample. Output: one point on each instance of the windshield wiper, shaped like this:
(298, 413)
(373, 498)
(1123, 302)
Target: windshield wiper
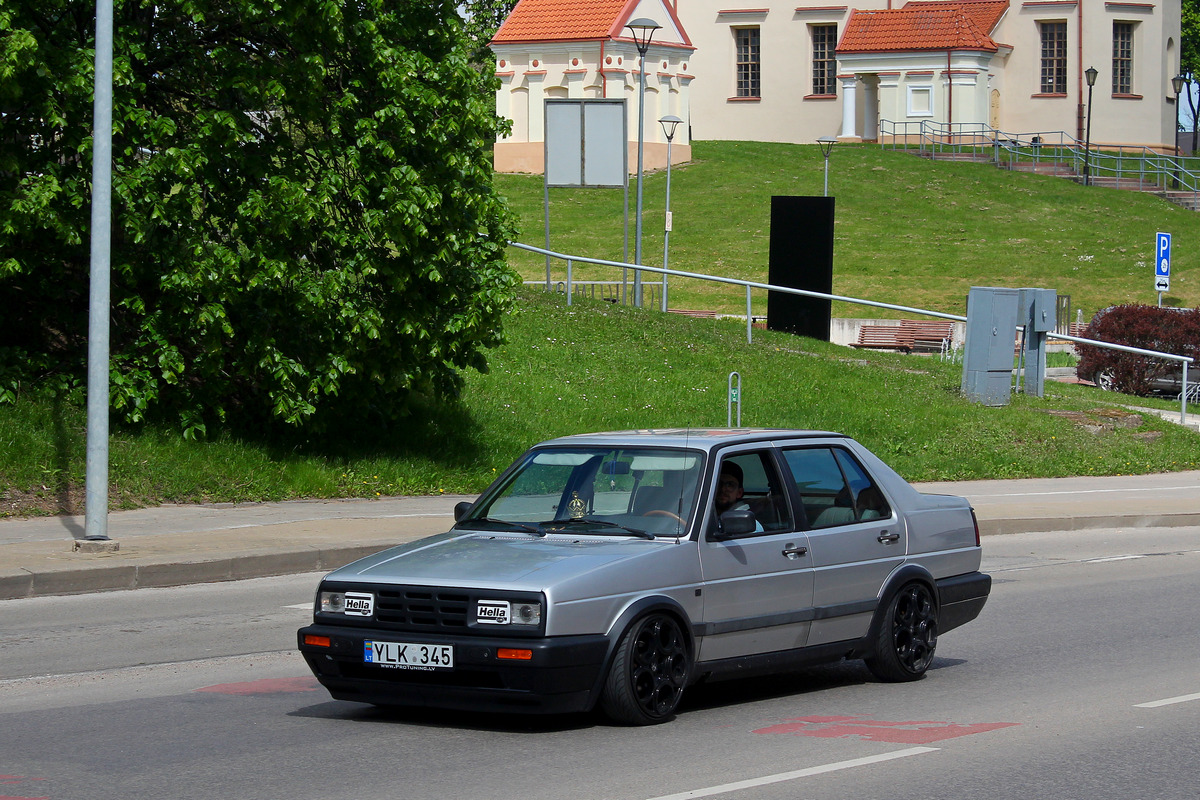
(605, 523)
(536, 530)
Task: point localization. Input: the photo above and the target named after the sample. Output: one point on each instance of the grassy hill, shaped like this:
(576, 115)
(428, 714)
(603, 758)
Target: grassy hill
(908, 231)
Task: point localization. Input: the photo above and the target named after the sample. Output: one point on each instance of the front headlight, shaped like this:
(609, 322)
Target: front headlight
(527, 614)
(352, 604)
(505, 612)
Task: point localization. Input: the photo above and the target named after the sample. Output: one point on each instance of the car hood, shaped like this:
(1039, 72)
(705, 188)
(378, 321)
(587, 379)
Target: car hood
(496, 560)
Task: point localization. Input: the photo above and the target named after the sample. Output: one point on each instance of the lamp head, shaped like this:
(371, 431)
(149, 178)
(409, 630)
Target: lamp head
(669, 124)
(1090, 73)
(1177, 83)
(827, 144)
(642, 29)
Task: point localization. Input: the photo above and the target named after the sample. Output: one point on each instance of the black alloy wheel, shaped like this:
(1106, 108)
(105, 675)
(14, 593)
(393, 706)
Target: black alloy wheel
(907, 637)
(648, 673)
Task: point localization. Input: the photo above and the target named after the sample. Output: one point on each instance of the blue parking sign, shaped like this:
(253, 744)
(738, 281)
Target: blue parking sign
(1162, 262)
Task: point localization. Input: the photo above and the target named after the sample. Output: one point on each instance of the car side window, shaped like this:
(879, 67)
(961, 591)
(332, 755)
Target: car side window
(762, 490)
(833, 487)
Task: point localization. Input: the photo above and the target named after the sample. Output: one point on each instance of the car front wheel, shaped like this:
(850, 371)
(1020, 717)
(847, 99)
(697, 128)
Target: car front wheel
(907, 635)
(648, 672)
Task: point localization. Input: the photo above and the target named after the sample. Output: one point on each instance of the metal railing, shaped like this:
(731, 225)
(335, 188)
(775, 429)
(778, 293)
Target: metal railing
(1122, 166)
(571, 260)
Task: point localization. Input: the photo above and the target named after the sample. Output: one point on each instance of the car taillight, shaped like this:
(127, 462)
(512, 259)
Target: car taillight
(975, 522)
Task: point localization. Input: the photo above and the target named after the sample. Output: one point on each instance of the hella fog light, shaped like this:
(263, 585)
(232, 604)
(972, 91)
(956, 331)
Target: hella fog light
(526, 613)
(353, 604)
(332, 602)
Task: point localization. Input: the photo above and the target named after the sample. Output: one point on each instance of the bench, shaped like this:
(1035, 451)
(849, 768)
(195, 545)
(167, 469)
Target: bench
(691, 312)
(927, 336)
(882, 337)
(909, 336)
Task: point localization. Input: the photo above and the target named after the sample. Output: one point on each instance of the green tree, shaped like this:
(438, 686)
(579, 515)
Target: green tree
(482, 19)
(304, 221)
(1189, 58)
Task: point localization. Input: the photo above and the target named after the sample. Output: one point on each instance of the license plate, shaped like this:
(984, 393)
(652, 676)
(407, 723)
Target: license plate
(409, 655)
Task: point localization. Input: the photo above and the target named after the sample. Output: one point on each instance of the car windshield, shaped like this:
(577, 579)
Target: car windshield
(590, 490)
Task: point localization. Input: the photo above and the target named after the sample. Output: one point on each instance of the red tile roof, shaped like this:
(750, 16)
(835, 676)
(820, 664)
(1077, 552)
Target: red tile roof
(937, 25)
(561, 20)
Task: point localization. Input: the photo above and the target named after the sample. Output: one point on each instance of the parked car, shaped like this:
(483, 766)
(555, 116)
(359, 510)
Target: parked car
(1162, 329)
(596, 572)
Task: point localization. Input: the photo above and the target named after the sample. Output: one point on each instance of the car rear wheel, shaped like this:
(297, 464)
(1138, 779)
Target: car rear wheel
(1106, 381)
(907, 635)
(648, 672)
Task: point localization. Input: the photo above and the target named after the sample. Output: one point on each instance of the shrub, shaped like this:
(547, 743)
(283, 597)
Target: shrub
(1167, 330)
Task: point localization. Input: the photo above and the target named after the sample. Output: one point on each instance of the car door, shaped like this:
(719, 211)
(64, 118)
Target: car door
(757, 586)
(855, 538)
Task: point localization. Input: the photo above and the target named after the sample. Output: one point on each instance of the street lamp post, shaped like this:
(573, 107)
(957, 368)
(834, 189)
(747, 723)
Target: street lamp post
(669, 124)
(826, 146)
(1090, 73)
(642, 30)
(1177, 84)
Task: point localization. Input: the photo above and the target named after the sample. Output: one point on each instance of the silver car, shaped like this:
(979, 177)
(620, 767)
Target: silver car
(613, 570)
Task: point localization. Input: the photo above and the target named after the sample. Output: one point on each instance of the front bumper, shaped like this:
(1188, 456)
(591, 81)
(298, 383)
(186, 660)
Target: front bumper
(961, 598)
(562, 675)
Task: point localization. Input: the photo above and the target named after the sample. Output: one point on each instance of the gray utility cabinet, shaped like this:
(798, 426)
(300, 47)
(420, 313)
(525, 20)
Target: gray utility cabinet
(1039, 313)
(988, 353)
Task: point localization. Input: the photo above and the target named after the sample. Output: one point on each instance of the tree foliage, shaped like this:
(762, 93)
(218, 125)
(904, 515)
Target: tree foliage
(1189, 57)
(304, 221)
(482, 19)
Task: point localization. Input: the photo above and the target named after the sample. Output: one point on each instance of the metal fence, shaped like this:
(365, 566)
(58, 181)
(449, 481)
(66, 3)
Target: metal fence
(1054, 151)
(749, 286)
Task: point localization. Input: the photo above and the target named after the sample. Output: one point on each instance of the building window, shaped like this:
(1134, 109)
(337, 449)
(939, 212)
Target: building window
(824, 64)
(1054, 57)
(1122, 63)
(748, 62)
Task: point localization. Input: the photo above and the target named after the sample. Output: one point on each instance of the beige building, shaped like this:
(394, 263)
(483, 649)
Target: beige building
(798, 71)
(793, 72)
(581, 49)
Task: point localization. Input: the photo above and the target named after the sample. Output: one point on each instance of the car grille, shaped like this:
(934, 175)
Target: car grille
(419, 609)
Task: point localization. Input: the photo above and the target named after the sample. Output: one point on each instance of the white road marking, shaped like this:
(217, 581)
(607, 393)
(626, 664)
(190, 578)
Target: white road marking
(1111, 558)
(303, 606)
(800, 773)
(1170, 701)
(982, 496)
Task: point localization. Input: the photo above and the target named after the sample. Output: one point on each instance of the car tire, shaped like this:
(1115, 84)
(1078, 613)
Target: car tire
(1106, 381)
(907, 636)
(648, 673)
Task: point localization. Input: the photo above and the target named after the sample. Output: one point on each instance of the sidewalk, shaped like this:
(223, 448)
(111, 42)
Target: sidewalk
(182, 544)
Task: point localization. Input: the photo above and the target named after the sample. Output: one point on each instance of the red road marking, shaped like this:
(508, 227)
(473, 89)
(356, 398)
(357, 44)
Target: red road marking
(264, 686)
(11, 780)
(878, 731)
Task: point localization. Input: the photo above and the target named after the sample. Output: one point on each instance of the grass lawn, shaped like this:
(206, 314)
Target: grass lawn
(908, 231)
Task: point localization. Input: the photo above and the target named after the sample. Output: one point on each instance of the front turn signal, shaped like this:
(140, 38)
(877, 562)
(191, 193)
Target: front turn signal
(514, 655)
(316, 641)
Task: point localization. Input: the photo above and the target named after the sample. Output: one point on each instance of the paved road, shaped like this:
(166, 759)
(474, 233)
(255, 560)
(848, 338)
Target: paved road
(1077, 681)
(183, 544)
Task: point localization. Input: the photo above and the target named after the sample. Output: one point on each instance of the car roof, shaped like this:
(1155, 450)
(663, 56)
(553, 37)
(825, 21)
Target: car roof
(700, 438)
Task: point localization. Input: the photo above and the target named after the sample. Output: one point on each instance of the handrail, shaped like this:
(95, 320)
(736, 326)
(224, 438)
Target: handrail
(1186, 360)
(1119, 164)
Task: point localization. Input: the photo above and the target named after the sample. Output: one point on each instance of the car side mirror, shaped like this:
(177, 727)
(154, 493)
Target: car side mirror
(461, 509)
(733, 523)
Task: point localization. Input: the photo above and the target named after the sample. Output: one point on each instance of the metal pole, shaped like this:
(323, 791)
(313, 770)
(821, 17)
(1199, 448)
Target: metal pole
(667, 226)
(637, 237)
(96, 479)
(826, 175)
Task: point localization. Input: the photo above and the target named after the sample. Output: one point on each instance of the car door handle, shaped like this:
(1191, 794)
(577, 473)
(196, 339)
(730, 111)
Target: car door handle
(888, 538)
(792, 551)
